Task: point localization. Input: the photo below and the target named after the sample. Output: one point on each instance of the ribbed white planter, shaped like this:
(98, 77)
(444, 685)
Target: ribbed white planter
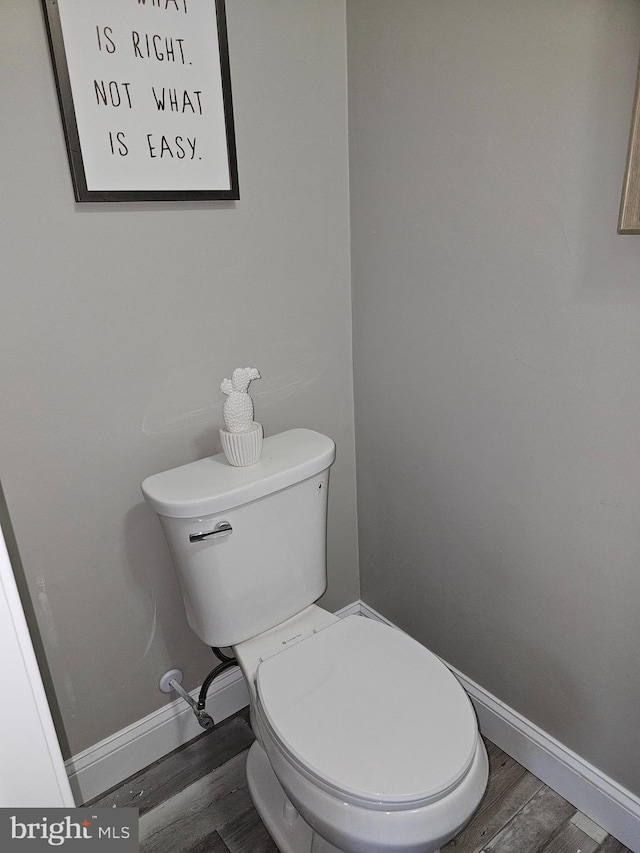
(242, 448)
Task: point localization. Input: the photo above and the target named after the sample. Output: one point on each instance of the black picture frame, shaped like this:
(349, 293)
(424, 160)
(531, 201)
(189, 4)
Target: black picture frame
(83, 189)
(629, 218)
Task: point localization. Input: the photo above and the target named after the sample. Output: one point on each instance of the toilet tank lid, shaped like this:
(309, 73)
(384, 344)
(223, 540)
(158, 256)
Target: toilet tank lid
(212, 485)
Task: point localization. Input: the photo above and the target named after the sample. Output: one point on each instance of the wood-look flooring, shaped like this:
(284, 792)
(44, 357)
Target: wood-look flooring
(195, 800)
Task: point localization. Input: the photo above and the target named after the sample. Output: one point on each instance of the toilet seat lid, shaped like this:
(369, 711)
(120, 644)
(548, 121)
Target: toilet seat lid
(370, 713)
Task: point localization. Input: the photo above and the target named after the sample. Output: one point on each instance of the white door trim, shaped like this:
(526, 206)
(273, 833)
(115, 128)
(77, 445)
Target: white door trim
(32, 774)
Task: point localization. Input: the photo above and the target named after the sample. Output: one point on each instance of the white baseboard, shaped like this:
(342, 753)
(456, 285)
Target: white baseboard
(354, 609)
(583, 785)
(130, 750)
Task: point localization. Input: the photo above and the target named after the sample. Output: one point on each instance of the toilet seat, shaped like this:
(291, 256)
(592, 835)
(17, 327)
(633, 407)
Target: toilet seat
(369, 715)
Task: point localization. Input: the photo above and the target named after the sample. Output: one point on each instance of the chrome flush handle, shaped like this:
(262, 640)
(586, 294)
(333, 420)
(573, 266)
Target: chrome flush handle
(222, 528)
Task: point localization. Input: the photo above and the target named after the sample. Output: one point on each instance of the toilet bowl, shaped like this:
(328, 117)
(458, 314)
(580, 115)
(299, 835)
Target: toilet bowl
(367, 734)
(365, 742)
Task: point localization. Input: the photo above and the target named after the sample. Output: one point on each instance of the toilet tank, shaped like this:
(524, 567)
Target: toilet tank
(248, 544)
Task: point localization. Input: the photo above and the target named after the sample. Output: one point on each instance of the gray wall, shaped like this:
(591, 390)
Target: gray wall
(497, 347)
(497, 350)
(118, 322)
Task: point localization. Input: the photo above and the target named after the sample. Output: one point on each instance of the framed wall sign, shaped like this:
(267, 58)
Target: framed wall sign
(629, 221)
(145, 96)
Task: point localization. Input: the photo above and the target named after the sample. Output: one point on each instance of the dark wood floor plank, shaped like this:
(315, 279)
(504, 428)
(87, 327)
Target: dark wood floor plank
(211, 843)
(176, 771)
(247, 834)
(534, 825)
(181, 822)
(570, 839)
(510, 787)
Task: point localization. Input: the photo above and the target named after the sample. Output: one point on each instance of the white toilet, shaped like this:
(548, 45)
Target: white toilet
(365, 742)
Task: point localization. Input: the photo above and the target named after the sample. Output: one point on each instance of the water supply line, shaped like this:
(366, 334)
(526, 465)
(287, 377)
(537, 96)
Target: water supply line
(218, 670)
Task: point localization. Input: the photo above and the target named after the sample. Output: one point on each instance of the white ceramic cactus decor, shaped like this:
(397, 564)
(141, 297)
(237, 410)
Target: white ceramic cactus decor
(242, 438)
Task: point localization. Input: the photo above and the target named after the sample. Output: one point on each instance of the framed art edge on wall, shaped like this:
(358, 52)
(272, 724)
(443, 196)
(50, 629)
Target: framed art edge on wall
(214, 102)
(629, 219)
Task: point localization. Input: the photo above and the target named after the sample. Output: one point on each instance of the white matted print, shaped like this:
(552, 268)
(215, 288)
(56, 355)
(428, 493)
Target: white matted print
(145, 95)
